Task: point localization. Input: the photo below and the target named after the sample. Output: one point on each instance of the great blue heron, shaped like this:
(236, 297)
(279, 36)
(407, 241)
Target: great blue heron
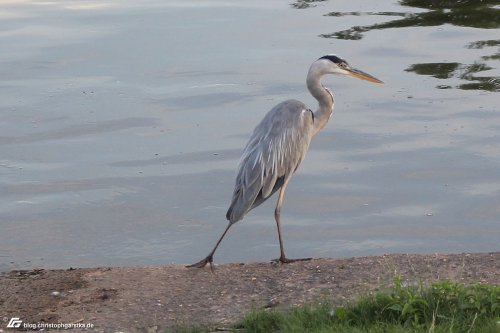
(278, 144)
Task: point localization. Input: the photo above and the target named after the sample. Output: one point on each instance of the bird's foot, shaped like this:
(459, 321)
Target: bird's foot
(285, 260)
(202, 263)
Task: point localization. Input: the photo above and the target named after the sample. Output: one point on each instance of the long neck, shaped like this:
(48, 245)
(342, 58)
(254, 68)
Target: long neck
(324, 98)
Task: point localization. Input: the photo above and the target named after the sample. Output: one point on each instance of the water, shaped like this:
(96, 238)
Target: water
(121, 125)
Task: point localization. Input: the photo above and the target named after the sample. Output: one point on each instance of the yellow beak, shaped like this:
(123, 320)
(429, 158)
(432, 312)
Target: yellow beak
(362, 75)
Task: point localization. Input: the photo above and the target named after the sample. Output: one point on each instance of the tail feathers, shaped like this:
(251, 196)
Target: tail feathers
(240, 205)
(243, 202)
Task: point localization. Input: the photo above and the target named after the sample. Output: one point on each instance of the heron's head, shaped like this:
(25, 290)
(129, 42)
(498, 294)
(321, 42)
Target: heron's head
(331, 64)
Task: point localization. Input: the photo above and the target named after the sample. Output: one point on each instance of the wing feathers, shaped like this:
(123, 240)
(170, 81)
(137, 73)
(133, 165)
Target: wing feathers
(273, 153)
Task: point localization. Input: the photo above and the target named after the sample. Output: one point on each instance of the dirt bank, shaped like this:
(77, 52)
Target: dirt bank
(133, 299)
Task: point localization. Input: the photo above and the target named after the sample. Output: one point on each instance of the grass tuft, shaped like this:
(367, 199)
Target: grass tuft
(442, 307)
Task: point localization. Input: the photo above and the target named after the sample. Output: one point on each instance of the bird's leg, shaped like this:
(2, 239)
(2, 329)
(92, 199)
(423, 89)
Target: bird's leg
(210, 258)
(277, 215)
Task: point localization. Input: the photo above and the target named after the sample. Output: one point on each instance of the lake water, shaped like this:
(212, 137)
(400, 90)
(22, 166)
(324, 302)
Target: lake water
(122, 122)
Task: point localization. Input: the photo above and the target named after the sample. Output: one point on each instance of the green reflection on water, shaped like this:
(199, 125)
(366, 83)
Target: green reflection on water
(483, 14)
(437, 70)
(303, 4)
(474, 14)
(464, 72)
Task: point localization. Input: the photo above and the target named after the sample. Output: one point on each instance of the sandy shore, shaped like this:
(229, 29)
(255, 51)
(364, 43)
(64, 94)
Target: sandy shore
(138, 299)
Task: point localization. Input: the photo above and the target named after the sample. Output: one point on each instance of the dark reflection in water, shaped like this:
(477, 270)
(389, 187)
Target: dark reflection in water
(302, 4)
(482, 43)
(474, 14)
(483, 14)
(455, 69)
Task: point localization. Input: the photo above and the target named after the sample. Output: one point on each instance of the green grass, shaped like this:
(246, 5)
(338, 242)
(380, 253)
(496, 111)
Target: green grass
(442, 307)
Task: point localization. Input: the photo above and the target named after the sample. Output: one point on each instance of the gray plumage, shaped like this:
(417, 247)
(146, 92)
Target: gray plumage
(273, 153)
(277, 146)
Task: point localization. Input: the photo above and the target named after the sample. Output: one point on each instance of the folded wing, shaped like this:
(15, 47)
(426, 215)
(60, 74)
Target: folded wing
(274, 151)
